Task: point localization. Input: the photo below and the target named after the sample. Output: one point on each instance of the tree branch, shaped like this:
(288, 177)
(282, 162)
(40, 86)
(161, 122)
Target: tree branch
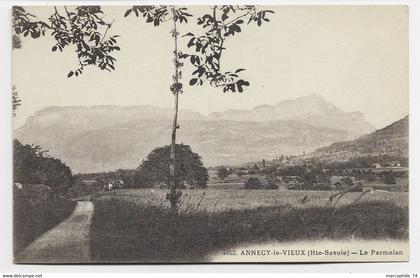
(108, 26)
(230, 22)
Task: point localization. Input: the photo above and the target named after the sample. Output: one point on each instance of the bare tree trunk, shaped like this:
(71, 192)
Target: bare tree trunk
(173, 182)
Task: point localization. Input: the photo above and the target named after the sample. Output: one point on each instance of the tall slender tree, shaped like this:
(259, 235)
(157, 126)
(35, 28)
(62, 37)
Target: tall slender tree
(84, 27)
(220, 24)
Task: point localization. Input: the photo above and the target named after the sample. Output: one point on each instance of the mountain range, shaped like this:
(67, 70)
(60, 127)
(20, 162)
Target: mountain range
(104, 138)
(312, 109)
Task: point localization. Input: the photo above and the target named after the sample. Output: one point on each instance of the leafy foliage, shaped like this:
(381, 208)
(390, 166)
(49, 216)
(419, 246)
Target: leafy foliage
(188, 167)
(159, 14)
(16, 42)
(388, 177)
(224, 22)
(24, 23)
(347, 181)
(253, 183)
(81, 26)
(222, 172)
(84, 27)
(31, 164)
(16, 100)
(272, 181)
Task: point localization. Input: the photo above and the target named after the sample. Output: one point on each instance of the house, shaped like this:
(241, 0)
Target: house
(395, 164)
(115, 184)
(18, 186)
(376, 165)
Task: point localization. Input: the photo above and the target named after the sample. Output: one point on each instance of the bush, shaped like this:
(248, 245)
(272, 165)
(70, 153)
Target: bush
(32, 165)
(188, 168)
(271, 185)
(388, 177)
(253, 183)
(240, 173)
(222, 172)
(347, 181)
(371, 177)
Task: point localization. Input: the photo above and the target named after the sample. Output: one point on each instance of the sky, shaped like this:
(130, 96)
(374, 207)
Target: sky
(356, 57)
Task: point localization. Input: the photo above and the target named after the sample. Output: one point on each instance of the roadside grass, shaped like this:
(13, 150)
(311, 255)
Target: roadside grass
(125, 230)
(35, 213)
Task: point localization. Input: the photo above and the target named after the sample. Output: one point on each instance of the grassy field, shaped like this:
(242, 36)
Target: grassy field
(136, 225)
(221, 200)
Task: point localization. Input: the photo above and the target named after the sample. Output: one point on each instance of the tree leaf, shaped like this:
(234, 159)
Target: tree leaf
(128, 12)
(70, 74)
(193, 81)
(191, 42)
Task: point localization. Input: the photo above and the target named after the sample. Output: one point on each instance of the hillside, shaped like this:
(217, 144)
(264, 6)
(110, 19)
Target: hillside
(103, 138)
(391, 140)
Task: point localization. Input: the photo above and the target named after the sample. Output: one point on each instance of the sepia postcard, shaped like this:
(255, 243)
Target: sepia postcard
(210, 134)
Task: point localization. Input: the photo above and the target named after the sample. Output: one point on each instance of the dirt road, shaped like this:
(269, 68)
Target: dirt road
(68, 242)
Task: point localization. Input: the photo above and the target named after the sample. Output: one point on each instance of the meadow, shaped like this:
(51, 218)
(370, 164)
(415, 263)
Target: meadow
(136, 225)
(216, 200)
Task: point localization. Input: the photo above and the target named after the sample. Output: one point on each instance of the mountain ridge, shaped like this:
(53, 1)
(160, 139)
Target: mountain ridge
(312, 109)
(103, 138)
